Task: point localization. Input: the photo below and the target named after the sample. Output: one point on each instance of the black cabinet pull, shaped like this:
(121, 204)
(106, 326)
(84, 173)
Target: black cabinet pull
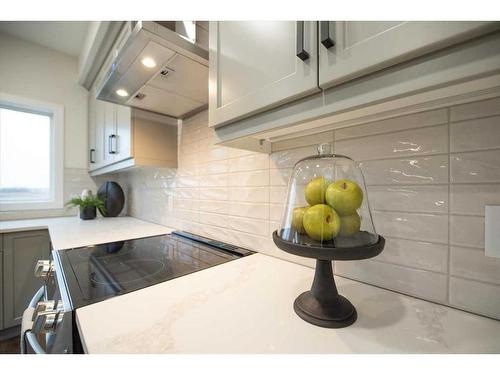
(301, 52)
(111, 138)
(326, 40)
(91, 156)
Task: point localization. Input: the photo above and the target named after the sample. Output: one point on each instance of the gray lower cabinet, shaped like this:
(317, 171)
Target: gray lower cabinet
(21, 251)
(1, 283)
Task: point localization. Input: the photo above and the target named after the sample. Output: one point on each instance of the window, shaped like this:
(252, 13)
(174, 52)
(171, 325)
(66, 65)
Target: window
(31, 164)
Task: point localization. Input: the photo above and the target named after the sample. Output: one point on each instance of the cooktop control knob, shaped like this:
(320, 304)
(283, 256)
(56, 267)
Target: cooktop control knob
(47, 306)
(44, 268)
(47, 321)
(47, 315)
(42, 307)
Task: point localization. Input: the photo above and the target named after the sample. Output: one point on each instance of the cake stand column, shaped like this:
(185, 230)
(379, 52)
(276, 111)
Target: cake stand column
(322, 305)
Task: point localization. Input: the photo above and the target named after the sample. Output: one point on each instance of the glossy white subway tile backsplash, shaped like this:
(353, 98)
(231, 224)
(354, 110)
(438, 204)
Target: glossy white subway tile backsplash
(424, 284)
(467, 231)
(475, 167)
(470, 199)
(279, 177)
(417, 120)
(249, 178)
(476, 134)
(409, 225)
(428, 176)
(409, 198)
(415, 170)
(416, 254)
(433, 140)
(471, 263)
(475, 296)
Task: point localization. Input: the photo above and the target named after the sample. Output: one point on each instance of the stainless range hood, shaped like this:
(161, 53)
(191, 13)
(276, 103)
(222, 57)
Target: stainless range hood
(157, 69)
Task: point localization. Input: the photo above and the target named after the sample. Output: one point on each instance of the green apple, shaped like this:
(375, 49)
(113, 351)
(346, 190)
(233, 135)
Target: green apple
(345, 196)
(349, 225)
(297, 219)
(321, 222)
(315, 190)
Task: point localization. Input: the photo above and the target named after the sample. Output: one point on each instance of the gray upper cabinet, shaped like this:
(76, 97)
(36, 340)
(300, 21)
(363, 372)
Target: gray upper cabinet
(254, 65)
(362, 47)
(21, 251)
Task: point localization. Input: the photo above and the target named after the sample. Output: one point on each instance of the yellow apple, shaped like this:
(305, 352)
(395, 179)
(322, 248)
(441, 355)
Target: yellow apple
(349, 225)
(315, 190)
(321, 222)
(297, 219)
(345, 196)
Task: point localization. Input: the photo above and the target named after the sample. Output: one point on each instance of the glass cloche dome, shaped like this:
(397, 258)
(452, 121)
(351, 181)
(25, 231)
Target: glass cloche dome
(327, 217)
(327, 204)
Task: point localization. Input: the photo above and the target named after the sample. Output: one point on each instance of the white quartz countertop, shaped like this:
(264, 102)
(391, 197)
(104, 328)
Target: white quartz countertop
(245, 306)
(69, 232)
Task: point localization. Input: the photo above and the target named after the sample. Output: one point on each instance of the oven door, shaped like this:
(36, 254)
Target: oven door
(47, 325)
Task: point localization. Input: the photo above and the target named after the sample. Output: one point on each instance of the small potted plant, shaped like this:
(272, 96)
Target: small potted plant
(88, 203)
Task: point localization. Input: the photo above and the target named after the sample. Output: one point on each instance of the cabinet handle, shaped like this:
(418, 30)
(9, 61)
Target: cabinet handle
(111, 138)
(92, 154)
(326, 39)
(301, 52)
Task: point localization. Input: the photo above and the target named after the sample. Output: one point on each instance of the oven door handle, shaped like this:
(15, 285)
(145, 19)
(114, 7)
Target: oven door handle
(33, 343)
(27, 336)
(39, 295)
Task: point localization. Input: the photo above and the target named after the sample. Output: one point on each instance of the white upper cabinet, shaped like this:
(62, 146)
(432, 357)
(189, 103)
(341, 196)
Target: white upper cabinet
(123, 120)
(110, 132)
(110, 137)
(99, 132)
(256, 65)
(92, 131)
(350, 49)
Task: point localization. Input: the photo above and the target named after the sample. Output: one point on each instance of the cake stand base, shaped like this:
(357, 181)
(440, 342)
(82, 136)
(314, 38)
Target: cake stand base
(322, 305)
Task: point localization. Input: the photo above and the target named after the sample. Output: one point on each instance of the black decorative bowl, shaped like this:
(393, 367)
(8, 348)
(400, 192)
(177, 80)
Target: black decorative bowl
(323, 305)
(113, 197)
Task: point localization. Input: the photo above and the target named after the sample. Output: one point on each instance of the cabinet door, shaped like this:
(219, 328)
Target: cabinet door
(361, 47)
(21, 252)
(110, 140)
(99, 133)
(92, 131)
(123, 117)
(254, 66)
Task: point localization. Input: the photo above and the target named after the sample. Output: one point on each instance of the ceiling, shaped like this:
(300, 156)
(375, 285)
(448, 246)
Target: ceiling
(64, 36)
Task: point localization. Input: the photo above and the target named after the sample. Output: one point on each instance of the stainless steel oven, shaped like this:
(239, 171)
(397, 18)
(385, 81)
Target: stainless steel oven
(48, 325)
(78, 277)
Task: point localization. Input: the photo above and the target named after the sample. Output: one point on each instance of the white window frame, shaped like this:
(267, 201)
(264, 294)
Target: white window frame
(56, 111)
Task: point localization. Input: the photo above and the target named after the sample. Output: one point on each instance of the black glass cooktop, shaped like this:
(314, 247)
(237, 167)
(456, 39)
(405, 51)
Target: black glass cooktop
(94, 273)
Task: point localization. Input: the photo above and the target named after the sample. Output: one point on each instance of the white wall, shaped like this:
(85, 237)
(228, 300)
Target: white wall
(37, 72)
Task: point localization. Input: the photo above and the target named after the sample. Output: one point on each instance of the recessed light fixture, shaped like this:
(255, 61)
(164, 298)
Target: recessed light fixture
(148, 62)
(121, 92)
